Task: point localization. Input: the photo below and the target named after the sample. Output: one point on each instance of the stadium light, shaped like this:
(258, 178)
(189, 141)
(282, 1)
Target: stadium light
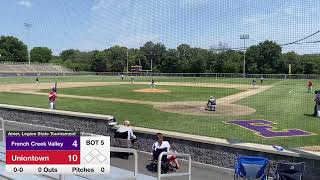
(151, 61)
(28, 27)
(244, 37)
(127, 61)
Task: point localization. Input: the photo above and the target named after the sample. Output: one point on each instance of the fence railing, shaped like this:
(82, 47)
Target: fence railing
(125, 150)
(174, 174)
(182, 75)
(211, 75)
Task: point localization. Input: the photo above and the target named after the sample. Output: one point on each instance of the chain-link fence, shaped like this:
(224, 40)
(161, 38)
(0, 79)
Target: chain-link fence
(153, 74)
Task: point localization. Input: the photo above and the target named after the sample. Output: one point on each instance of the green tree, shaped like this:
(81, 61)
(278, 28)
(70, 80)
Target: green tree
(99, 63)
(198, 60)
(83, 60)
(263, 58)
(154, 53)
(231, 61)
(56, 60)
(40, 54)
(308, 68)
(116, 58)
(270, 54)
(69, 54)
(12, 49)
(282, 66)
(170, 63)
(293, 58)
(211, 62)
(185, 55)
(77, 60)
(311, 64)
(252, 58)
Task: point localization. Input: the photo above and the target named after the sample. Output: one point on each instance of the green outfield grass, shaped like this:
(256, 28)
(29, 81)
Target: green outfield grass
(287, 104)
(177, 93)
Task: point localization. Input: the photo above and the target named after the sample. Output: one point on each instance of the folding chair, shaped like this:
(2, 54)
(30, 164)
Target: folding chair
(251, 168)
(121, 140)
(289, 171)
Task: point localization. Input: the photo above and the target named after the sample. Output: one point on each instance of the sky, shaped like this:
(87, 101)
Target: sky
(98, 24)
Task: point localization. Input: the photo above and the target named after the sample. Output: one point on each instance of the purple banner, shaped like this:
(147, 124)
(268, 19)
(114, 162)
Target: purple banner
(43, 143)
(264, 128)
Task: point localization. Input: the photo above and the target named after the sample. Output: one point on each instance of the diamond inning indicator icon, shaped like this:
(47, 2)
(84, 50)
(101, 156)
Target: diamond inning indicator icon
(95, 150)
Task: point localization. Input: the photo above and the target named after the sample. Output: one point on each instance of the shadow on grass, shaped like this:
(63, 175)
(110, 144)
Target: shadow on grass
(310, 115)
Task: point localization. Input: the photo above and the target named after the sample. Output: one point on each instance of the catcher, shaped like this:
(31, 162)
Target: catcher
(211, 105)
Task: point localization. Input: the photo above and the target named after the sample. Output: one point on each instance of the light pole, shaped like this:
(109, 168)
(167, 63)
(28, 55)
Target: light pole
(28, 27)
(244, 37)
(127, 61)
(151, 59)
(151, 63)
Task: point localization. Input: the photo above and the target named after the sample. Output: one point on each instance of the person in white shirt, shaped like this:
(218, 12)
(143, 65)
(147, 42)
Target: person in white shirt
(161, 146)
(126, 128)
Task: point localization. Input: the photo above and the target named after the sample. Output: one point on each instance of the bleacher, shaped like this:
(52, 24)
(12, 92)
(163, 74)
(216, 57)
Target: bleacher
(22, 68)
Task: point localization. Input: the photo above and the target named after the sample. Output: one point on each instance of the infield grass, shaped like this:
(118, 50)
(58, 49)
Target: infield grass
(177, 93)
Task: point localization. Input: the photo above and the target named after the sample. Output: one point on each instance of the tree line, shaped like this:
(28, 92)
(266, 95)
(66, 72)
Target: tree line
(263, 58)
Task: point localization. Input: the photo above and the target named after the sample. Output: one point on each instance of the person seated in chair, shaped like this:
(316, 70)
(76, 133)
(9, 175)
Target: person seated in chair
(126, 132)
(160, 146)
(211, 105)
(123, 138)
(169, 161)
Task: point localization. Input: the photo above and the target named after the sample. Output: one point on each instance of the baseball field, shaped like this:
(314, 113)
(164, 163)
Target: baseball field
(278, 111)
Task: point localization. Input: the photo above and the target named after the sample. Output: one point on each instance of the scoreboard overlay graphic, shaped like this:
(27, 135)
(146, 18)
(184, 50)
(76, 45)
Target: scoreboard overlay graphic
(58, 152)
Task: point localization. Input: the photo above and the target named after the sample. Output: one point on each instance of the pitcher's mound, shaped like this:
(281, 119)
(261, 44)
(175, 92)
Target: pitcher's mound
(151, 90)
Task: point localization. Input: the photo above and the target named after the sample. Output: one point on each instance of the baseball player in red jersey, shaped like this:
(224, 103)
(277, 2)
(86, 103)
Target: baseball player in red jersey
(52, 98)
(310, 84)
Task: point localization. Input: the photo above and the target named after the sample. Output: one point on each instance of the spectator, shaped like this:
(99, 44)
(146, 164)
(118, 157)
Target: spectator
(160, 146)
(126, 128)
(163, 146)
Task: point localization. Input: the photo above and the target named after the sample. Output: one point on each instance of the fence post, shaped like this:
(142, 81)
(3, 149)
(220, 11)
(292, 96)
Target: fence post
(189, 168)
